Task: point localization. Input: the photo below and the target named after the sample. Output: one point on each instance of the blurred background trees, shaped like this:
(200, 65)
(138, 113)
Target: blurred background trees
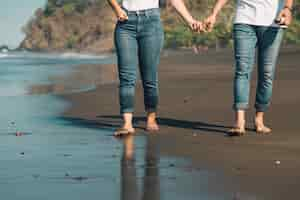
(74, 24)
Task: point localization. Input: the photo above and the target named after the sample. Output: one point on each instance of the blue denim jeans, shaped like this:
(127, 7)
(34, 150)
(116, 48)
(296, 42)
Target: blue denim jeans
(248, 38)
(139, 42)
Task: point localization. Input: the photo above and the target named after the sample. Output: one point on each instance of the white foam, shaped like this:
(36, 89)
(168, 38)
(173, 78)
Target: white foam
(4, 50)
(63, 56)
(81, 56)
(2, 55)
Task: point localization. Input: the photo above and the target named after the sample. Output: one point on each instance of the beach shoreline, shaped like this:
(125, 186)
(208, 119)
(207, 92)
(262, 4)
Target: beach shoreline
(195, 113)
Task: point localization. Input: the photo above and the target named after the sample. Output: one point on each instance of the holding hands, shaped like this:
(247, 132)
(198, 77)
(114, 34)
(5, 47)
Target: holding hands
(210, 22)
(196, 26)
(205, 26)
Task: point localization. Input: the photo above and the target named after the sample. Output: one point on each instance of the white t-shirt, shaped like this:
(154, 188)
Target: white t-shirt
(258, 12)
(135, 5)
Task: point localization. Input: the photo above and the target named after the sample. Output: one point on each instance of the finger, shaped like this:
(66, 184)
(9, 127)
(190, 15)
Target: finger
(282, 20)
(195, 27)
(121, 19)
(279, 18)
(208, 26)
(201, 28)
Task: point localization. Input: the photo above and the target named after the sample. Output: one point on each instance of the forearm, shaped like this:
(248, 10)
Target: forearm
(115, 5)
(182, 10)
(289, 4)
(218, 7)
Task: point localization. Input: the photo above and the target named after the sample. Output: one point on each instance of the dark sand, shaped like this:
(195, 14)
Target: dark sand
(195, 112)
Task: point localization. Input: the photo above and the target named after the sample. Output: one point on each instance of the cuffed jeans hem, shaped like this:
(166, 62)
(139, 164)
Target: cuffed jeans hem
(240, 106)
(261, 107)
(127, 110)
(151, 110)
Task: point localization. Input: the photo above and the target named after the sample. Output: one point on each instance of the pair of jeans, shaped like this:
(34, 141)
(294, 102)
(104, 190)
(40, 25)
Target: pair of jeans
(139, 41)
(267, 41)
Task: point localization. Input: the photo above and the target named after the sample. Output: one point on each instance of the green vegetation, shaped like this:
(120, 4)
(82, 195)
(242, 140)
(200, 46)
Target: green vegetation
(71, 42)
(69, 6)
(179, 35)
(66, 23)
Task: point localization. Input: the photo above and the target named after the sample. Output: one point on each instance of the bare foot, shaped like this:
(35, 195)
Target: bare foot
(238, 129)
(152, 127)
(127, 127)
(124, 131)
(261, 129)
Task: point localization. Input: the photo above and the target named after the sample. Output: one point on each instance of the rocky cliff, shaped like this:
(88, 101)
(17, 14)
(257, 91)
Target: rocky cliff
(65, 28)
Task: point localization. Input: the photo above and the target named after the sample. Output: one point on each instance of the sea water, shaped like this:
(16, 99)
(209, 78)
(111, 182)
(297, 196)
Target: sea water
(59, 159)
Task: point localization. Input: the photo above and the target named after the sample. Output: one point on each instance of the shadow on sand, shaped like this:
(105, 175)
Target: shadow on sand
(175, 123)
(110, 122)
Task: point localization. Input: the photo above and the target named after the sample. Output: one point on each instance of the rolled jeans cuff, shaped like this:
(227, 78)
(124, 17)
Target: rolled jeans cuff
(240, 106)
(261, 107)
(151, 110)
(126, 110)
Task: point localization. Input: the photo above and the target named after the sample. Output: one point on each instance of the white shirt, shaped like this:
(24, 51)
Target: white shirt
(258, 12)
(135, 5)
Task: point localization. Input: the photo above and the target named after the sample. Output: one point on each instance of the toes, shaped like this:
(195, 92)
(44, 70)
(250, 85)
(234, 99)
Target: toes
(152, 128)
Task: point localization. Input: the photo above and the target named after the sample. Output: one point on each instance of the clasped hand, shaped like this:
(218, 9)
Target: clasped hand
(203, 26)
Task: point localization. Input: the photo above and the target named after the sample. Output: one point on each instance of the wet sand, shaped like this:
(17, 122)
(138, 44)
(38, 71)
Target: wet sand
(194, 114)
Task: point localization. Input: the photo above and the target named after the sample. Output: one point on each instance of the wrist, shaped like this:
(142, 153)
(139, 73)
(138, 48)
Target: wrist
(215, 13)
(190, 20)
(117, 9)
(289, 8)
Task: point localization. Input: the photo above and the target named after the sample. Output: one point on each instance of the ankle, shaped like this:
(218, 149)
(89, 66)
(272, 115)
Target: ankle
(151, 118)
(127, 120)
(240, 123)
(259, 121)
(127, 125)
(240, 118)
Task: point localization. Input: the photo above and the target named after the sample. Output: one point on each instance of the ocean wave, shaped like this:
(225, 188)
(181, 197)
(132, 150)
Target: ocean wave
(62, 56)
(4, 51)
(82, 56)
(3, 55)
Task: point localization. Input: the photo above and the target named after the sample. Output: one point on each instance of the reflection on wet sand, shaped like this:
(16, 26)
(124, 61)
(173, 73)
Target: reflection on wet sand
(129, 178)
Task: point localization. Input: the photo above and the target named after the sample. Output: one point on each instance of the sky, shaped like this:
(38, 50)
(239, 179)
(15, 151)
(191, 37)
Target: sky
(13, 16)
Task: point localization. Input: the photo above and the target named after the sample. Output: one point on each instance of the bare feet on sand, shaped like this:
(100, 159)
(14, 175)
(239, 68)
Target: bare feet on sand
(124, 131)
(152, 125)
(238, 129)
(260, 127)
(127, 127)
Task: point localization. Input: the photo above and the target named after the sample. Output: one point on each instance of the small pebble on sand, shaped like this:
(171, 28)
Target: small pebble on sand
(277, 162)
(171, 165)
(18, 133)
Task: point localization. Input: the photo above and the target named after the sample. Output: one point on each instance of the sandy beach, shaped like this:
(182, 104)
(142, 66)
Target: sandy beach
(195, 112)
